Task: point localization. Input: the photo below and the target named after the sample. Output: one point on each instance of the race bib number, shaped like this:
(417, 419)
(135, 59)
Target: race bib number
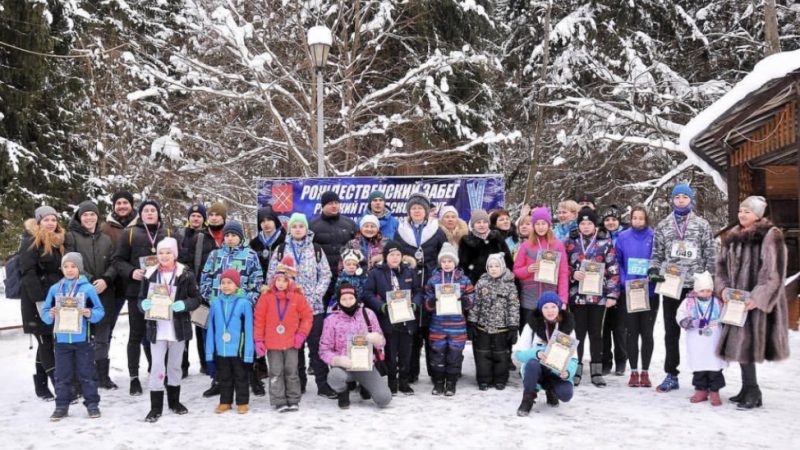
(684, 250)
(638, 266)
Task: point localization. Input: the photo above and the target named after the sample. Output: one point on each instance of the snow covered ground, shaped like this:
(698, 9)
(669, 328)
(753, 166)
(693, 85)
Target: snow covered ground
(616, 416)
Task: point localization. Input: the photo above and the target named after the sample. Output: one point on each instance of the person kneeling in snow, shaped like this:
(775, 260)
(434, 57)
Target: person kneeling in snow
(347, 319)
(529, 351)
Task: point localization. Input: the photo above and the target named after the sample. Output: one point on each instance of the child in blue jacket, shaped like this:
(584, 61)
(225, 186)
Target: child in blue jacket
(73, 351)
(530, 349)
(352, 272)
(229, 343)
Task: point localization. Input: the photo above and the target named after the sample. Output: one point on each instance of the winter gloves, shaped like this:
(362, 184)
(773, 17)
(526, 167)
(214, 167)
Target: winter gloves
(147, 304)
(376, 339)
(342, 361)
(179, 306)
(261, 348)
(687, 323)
(654, 275)
(512, 335)
(299, 338)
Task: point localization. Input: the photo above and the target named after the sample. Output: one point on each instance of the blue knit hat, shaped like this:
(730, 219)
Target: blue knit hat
(233, 227)
(297, 217)
(548, 297)
(198, 208)
(683, 188)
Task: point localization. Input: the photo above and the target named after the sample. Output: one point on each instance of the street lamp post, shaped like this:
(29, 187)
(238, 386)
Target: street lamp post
(319, 44)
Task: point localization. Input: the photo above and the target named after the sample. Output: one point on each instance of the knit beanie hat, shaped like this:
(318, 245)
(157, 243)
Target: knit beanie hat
(297, 218)
(197, 208)
(328, 197)
(448, 251)
(286, 267)
(585, 197)
(44, 211)
(448, 209)
(74, 258)
(86, 206)
(233, 227)
(376, 194)
(703, 281)
(169, 243)
(352, 254)
(232, 275)
(388, 247)
(478, 215)
(267, 213)
(496, 259)
(587, 213)
(122, 194)
(220, 209)
(420, 199)
(541, 213)
(683, 188)
(152, 203)
(346, 288)
(548, 297)
(755, 203)
(369, 218)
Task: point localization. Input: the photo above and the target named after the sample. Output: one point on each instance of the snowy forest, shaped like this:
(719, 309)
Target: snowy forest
(188, 100)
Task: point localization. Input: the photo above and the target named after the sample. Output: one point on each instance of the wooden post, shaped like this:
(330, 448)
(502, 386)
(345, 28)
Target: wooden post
(733, 189)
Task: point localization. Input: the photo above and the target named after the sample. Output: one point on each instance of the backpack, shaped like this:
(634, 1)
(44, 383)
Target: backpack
(317, 251)
(13, 281)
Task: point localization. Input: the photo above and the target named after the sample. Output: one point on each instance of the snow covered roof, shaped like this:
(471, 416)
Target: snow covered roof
(751, 103)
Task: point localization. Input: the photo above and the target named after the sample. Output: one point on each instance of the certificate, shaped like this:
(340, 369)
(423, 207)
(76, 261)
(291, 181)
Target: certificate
(548, 266)
(448, 299)
(673, 281)
(592, 283)
(359, 350)
(200, 316)
(559, 351)
(636, 295)
(68, 314)
(735, 310)
(146, 262)
(398, 303)
(162, 298)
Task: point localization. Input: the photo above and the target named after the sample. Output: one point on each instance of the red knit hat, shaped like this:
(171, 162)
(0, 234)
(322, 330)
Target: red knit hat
(286, 267)
(233, 276)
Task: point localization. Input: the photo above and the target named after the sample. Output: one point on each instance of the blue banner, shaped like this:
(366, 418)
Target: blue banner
(465, 193)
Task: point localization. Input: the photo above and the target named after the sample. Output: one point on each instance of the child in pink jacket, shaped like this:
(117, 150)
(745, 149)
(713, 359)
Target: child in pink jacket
(526, 264)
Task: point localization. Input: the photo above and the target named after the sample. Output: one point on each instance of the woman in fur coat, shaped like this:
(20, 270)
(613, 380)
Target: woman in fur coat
(753, 259)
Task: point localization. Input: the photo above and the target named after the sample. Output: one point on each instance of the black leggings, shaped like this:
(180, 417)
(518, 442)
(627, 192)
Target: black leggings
(137, 338)
(45, 353)
(641, 324)
(589, 318)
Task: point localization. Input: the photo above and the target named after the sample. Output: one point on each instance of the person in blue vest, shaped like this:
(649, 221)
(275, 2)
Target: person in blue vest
(377, 207)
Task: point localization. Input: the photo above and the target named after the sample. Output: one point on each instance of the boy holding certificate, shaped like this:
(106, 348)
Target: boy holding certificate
(229, 343)
(699, 314)
(494, 321)
(448, 294)
(531, 351)
(67, 305)
(395, 296)
(171, 288)
(283, 319)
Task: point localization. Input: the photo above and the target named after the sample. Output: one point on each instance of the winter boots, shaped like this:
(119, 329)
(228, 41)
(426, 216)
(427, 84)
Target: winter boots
(257, 385)
(323, 390)
(344, 399)
(364, 393)
(450, 385)
(156, 406)
(752, 399)
(59, 413)
(136, 387)
(404, 388)
(576, 380)
(438, 386)
(103, 379)
(222, 407)
(633, 381)
(699, 396)
(93, 410)
(173, 400)
(528, 399)
(715, 400)
(212, 391)
(40, 385)
(597, 374)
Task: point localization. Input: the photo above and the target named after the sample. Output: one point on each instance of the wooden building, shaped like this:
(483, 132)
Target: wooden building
(752, 135)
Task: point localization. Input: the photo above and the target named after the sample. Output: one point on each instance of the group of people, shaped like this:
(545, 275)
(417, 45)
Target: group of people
(366, 297)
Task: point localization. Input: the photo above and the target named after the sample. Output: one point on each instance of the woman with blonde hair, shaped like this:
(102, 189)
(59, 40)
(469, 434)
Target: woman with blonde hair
(567, 212)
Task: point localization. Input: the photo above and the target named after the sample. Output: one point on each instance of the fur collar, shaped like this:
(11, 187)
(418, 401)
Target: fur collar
(756, 235)
(461, 230)
(406, 231)
(536, 322)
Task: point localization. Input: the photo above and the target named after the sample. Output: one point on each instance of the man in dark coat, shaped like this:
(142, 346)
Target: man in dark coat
(270, 236)
(475, 248)
(332, 232)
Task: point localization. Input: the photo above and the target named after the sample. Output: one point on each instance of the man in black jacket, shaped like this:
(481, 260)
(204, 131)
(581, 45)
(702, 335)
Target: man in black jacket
(270, 236)
(332, 231)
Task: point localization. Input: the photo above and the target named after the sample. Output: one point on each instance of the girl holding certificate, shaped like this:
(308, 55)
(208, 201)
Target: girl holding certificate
(531, 350)
(594, 287)
(394, 295)
(753, 260)
(168, 337)
(634, 247)
(536, 278)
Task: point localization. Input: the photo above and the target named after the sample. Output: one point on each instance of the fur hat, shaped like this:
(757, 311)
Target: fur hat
(703, 281)
(448, 251)
(170, 243)
(220, 209)
(234, 227)
(755, 203)
(44, 211)
(232, 275)
(74, 258)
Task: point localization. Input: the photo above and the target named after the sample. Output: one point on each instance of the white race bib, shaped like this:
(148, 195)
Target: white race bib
(684, 250)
